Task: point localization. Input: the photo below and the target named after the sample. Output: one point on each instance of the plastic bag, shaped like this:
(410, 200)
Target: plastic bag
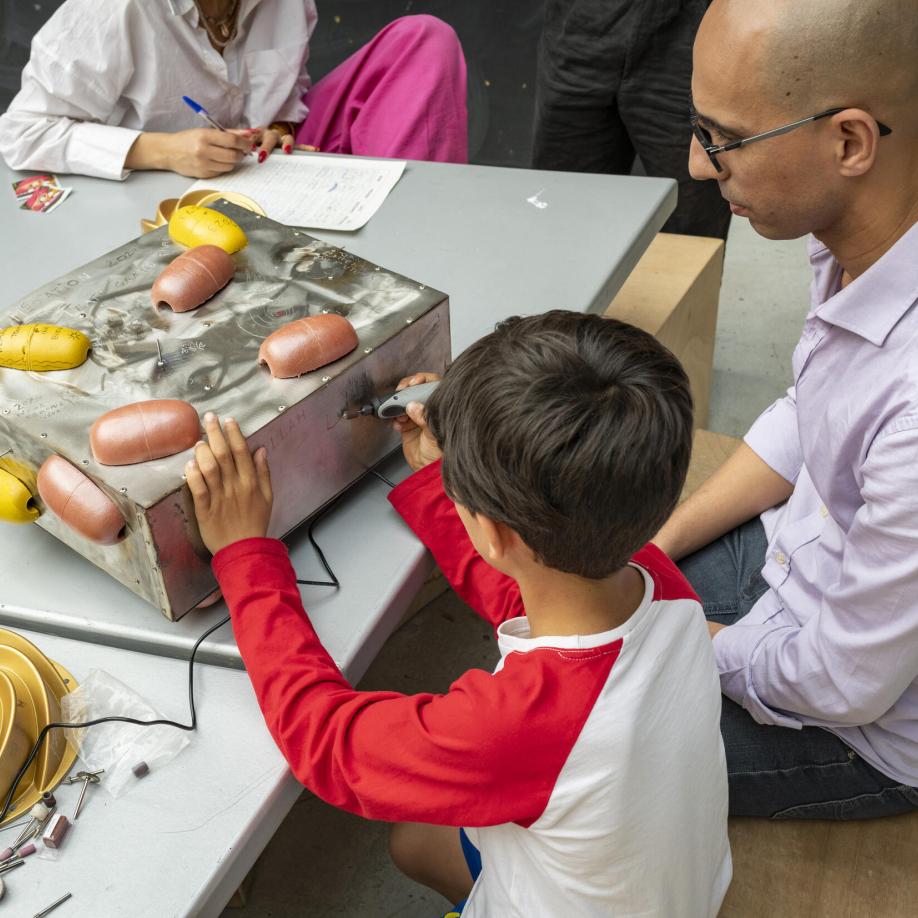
(117, 747)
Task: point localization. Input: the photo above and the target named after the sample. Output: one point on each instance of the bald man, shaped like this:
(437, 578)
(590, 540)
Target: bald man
(804, 546)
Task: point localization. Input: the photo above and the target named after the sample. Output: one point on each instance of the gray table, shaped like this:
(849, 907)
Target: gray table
(474, 232)
(184, 839)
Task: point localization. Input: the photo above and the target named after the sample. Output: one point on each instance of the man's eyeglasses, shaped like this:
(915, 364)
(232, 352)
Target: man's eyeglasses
(712, 149)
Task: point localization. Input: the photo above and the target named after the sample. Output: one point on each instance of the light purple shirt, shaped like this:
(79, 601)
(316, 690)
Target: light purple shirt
(834, 641)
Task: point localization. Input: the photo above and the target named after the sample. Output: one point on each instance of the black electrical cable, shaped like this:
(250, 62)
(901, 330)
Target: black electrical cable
(382, 477)
(311, 535)
(115, 719)
(4, 811)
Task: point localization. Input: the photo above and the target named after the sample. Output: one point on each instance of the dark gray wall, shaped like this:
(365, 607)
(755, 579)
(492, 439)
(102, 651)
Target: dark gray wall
(499, 38)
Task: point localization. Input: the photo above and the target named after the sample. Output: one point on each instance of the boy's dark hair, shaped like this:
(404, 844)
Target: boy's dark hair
(573, 430)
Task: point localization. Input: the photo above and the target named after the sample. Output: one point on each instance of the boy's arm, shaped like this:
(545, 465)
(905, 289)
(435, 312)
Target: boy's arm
(487, 752)
(423, 504)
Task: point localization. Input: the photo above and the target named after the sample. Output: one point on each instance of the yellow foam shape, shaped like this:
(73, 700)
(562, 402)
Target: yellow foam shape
(17, 505)
(193, 225)
(42, 347)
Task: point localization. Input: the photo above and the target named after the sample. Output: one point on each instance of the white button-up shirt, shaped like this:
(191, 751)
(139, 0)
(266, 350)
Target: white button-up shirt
(102, 71)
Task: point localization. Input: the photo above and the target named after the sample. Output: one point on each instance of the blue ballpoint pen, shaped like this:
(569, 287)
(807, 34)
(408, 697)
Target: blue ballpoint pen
(200, 110)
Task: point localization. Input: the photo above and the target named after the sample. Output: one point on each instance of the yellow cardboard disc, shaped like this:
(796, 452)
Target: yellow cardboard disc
(31, 689)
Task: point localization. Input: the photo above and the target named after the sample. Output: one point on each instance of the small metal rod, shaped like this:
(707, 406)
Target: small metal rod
(52, 906)
(15, 825)
(26, 833)
(6, 452)
(11, 864)
(159, 353)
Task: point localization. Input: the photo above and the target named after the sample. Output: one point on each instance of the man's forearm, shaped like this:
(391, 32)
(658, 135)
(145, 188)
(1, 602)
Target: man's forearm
(743, 487)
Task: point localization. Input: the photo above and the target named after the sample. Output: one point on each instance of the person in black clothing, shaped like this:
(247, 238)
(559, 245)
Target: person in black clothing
(614, 81)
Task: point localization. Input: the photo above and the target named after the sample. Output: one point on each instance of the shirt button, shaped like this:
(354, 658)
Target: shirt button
(823, 511)
(781, 558)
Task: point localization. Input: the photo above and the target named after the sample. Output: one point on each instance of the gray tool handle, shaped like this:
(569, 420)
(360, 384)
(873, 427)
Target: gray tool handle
(394, 406)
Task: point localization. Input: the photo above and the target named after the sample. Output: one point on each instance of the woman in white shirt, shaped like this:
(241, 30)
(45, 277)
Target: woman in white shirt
(102, 92)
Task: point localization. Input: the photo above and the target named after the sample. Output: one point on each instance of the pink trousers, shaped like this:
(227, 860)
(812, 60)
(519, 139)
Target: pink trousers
(402, 95)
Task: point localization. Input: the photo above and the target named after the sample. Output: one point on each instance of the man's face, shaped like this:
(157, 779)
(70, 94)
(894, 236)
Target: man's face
(786, 186)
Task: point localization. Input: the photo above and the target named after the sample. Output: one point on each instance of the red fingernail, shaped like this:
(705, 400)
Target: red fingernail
(262, 156)
(288, 148)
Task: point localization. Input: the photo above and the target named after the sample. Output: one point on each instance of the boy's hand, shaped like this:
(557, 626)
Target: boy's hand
(418, 444)
(232, 494)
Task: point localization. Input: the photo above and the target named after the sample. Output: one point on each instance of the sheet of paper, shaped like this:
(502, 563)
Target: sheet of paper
(319, 192)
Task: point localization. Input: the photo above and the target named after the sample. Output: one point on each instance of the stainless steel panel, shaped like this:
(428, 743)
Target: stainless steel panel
(209, 358)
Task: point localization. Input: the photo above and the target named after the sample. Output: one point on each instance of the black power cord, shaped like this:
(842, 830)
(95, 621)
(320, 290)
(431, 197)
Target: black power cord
(192, 725)
(114, 719)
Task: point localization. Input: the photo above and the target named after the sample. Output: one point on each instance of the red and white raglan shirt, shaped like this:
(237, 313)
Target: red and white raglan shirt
(588, 770)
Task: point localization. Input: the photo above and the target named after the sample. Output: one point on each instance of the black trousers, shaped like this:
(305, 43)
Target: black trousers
(614, 82)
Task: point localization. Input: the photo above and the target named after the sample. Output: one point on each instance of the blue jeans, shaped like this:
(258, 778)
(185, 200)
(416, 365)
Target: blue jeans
(775, 771)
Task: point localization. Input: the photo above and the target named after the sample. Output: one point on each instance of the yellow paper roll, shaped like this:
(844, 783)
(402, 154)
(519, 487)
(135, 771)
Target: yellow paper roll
(42, 347)
(193, 225)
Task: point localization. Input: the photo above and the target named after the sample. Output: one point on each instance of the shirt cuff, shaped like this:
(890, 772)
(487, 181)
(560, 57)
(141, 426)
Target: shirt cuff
(735, 649)
(100, 150)
(245, 548)
(775, 439)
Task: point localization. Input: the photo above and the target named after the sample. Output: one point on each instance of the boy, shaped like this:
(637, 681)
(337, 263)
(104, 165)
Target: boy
(588, 769)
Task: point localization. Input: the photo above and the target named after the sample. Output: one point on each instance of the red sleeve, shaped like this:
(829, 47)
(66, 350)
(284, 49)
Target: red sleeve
(669, 582)
(486, 753)
(424, 506)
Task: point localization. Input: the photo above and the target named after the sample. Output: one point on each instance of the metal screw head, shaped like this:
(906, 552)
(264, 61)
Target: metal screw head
(123, 490)
(326, 378)
(85, 461)
(367, 350)
(44, 436)
(82, 315)
(281, 407)
(408, 321)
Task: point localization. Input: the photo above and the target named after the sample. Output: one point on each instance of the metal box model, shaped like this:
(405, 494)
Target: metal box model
(208, 357)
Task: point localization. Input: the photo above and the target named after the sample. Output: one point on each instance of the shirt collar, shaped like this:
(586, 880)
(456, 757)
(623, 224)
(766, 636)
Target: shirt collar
(514, 634)
(181, 7)
(872, 304)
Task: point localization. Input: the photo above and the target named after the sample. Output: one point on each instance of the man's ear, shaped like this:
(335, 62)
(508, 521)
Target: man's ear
(857, 138)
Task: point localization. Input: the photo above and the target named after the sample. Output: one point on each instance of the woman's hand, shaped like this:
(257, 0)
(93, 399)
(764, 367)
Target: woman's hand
(197, 153)
(269, 138)
(418, 444)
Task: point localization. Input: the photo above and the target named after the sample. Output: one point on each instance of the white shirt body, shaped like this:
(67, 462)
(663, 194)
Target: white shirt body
(103, 71)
